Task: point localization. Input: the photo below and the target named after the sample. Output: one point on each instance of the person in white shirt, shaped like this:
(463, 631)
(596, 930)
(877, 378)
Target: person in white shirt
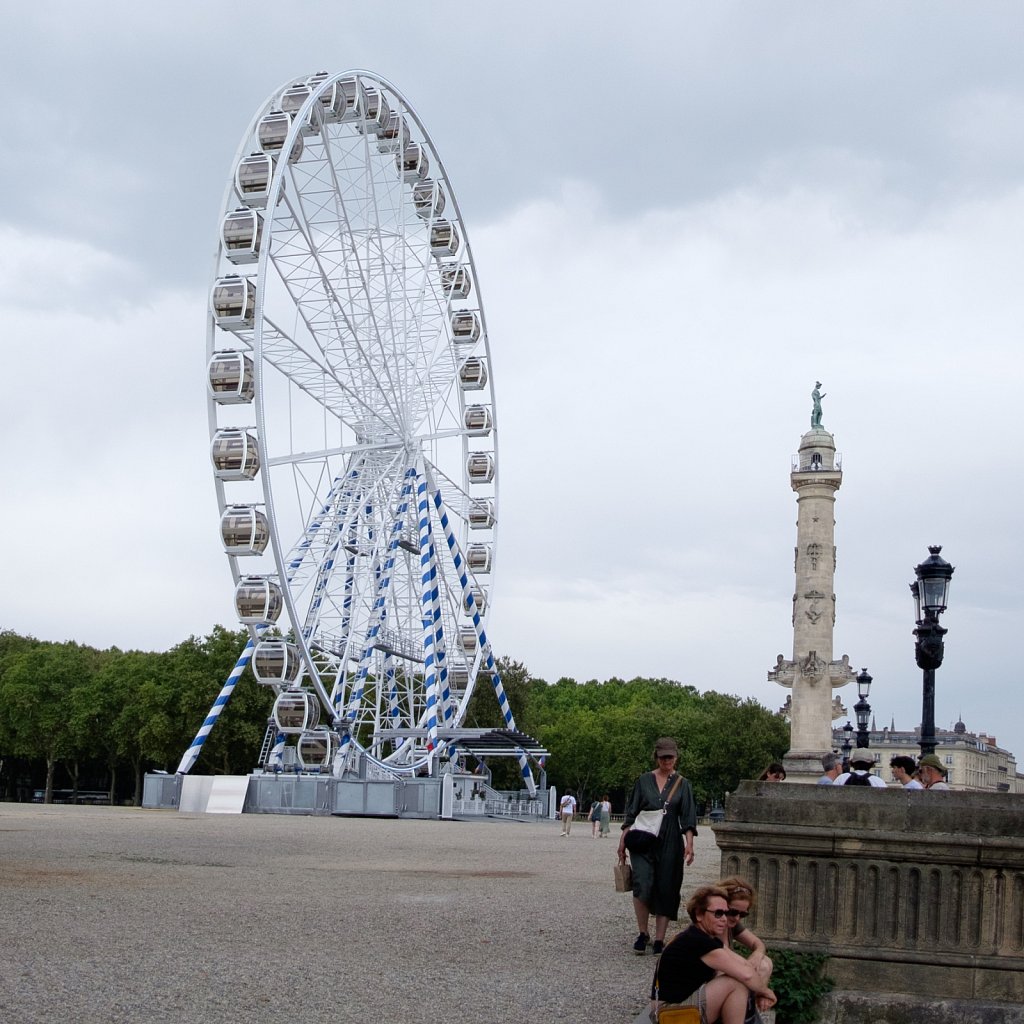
(861, 763)
(567, 808)
(903, 769)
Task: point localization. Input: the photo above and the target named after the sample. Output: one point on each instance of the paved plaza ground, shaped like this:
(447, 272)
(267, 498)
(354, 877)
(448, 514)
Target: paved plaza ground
(130, 915)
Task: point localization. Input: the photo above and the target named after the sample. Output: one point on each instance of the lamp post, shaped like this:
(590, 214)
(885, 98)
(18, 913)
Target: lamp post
(930, 591)
(847, 746)
(862, 709)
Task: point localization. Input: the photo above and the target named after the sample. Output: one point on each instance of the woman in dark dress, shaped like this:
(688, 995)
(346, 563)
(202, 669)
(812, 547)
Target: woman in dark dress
(697, 969)
(658, 873)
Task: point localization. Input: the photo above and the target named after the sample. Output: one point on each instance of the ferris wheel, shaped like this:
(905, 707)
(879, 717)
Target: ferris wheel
(353, 430)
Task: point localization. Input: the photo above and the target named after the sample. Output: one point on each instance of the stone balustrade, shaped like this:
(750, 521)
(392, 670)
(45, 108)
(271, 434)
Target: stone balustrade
(910, 893)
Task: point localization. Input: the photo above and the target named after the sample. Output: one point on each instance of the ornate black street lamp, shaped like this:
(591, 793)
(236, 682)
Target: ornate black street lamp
(930, 590)
(862, 709)
(847, 746)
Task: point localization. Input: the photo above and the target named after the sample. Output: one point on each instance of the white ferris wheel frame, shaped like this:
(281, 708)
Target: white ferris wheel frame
(271, 345)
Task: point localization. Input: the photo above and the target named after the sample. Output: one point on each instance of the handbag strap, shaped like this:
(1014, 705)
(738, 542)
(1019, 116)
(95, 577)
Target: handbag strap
(671, 793)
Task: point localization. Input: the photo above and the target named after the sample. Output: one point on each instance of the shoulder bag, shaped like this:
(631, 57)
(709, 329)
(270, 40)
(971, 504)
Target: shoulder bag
(643, 833)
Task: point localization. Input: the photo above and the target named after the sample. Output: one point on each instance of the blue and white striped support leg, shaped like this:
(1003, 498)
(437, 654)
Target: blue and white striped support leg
(428, 580)
(485, 647)
(189, 757)
(378, 615)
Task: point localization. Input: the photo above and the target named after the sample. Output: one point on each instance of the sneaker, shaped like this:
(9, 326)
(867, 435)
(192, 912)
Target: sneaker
(657, 947)
(642, 941)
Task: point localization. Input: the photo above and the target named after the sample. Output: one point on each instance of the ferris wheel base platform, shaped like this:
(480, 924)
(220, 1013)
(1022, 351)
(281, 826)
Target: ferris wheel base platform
(293, 793)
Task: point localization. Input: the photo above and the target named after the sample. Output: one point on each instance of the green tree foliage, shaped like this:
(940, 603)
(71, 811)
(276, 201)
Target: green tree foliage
(601, 735)
(63, 705)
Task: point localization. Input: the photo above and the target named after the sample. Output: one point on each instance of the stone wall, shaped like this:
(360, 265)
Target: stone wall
(912, 893)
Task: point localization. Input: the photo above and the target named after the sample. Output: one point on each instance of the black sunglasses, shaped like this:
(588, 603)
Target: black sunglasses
(737, 913)
(717, 913)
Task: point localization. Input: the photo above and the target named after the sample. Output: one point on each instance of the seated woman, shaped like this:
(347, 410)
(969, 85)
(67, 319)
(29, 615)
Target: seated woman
(741, 901)
(696, 963)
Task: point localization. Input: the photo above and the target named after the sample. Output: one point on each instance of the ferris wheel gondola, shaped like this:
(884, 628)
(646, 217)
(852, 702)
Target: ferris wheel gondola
(352, 423)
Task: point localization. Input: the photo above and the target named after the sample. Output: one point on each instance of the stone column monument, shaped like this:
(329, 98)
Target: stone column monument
(812, 673)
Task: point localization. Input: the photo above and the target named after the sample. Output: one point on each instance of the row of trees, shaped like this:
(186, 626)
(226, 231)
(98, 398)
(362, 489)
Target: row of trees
(601, 734)
(104, 717)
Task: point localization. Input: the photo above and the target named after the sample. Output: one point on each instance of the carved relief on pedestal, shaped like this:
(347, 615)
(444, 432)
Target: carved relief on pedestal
(814, 612)
(812, 668)
(838, 711)
(814, 553)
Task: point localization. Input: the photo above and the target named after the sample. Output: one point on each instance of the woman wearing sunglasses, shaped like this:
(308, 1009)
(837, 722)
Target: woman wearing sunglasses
(696, 968)
(742, 900)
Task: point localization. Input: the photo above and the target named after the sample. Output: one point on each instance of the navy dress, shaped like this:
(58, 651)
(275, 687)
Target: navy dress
(658, 875)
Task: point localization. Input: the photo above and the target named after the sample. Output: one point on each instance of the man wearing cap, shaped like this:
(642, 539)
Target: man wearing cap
(830, 765)
(861, 763)
(933, 772)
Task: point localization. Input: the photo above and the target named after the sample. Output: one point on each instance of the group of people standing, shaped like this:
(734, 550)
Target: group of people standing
(928, 773)
(698, 967)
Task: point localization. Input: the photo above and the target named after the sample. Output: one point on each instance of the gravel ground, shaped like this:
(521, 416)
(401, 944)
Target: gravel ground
(129, 915)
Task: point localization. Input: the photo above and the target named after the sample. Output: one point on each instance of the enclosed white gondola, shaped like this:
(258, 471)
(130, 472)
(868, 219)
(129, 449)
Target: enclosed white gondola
(466, 326)
(480, 467)
(276, 662)
(458, 675)
(468, 640)
(444, 239)
(331, 96)
(455, 281)
(235, 455)
(229, 378)
(296, 711)
(233, 302)
(253, 175)
(354, 95)
(315, 750)
(479, 557)
(242, 232)
(479, 601)
(473, 374)
(477, 419)
(413, 163)
(481, 515)
(258, 600)
(272, 131)
(394, 136)
(291, 103)
(245, 531)
(428, 198)
(376, 114)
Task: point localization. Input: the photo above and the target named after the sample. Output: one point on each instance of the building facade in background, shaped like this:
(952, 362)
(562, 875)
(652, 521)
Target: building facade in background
(974, 761)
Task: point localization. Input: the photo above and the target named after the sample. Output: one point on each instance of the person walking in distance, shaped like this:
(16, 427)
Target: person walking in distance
(566, 809)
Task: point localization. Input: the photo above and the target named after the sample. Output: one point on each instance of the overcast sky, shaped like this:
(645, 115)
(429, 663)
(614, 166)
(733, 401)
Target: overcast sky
(682, 216)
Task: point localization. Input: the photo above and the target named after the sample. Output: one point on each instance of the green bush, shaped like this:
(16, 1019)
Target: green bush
(799, 981)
